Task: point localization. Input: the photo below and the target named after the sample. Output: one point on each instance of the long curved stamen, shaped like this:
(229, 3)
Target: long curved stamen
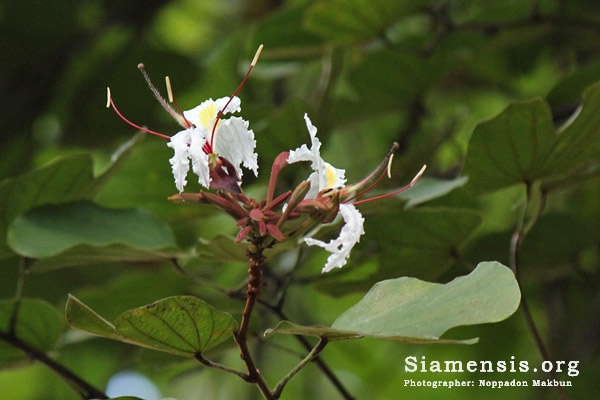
(110, 102)
(178, 117)
(222, 111)
(386, 163)
(385, 196)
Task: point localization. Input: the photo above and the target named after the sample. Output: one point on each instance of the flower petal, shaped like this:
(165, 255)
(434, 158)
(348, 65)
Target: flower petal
(325, 176)
(180, 162)
(350, 234)
(198, 156)
(235, 142)
(205, 113)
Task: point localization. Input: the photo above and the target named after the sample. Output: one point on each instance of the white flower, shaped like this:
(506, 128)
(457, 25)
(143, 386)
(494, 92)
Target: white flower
(232, 140)
(349, 235)
(325, 176)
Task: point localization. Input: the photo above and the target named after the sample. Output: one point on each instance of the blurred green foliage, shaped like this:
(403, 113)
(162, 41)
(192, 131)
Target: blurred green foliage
(497, 98)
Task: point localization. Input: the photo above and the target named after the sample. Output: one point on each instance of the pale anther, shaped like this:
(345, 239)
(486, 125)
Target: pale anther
(255, 59)
(169, 90)
(389, 166)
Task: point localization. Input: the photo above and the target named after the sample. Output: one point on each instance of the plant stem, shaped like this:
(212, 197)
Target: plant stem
(211, 364)
(523, 227)
(319, 361)
(257, 259)
(309, 357)
(84, 388)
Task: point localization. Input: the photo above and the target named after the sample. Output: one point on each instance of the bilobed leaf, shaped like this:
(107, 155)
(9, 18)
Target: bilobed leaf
(510, 148)
(64, 180)
(411, 310)
(520, 145)
(579, 141)
(31, 321)
(180, 325)
(83, 232)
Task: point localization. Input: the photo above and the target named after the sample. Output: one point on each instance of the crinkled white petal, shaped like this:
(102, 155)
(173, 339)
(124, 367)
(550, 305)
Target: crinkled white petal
(350, 234)
(204, 115)
(235, 142)
(198, 157)
(180, 162)
(303, 153)
(325, 176)
(234, 106)
(232, 138)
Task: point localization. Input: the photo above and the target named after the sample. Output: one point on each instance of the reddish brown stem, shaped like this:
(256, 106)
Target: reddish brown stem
(257, 260)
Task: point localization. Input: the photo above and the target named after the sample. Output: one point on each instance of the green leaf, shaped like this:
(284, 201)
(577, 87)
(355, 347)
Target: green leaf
(81, 316)
(282, 29)
(520, 145)
(510, 148)
(430, 188)
(289, 328)
(349, 21)
(221, 248)
(180, 325)
(93, 255)
(34, 322)
(411, 310)
(67, 179)
(420, 242)
(579, 141)
(58, 228)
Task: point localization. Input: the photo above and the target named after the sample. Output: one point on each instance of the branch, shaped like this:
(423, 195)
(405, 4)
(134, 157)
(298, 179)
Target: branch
(309, 357)
(257, 260)
(211, 364)
(84, 388)
(523, 227)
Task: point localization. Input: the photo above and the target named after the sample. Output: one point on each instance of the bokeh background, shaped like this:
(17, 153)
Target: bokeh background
(422, 73)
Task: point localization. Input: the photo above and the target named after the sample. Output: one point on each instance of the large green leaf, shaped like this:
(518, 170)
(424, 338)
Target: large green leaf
(180, 325)
(64, 180)
(67, 179)
(510, 148)
(83, 232)
(520, 145)
(411, 310)
(579, 141)
(32, 322)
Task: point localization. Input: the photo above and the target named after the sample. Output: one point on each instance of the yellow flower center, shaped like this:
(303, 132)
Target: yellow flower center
(331, 176)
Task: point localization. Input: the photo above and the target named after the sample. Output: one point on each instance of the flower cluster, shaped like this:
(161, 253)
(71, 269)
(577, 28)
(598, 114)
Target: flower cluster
(217, 149)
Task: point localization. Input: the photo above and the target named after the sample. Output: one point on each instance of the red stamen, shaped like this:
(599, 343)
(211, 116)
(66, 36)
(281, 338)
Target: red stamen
(221, 112)
(368, 189)
(111, 103)
(385, 196)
